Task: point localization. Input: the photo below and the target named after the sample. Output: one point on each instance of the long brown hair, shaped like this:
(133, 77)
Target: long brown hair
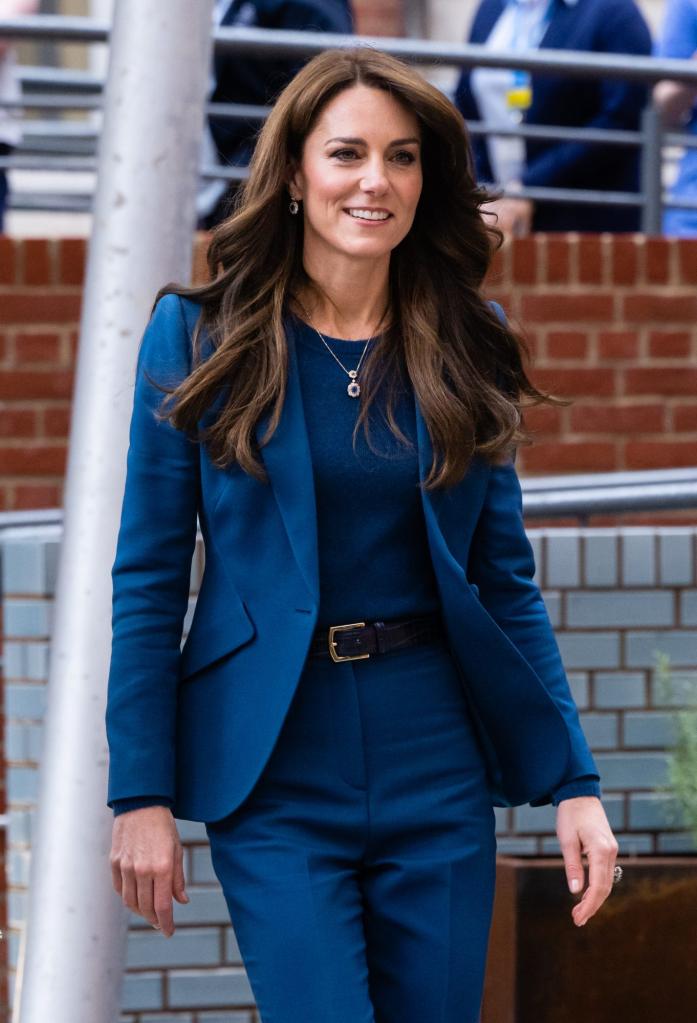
(465, 366)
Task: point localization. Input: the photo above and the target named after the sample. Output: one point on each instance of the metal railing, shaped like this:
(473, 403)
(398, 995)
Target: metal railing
(606, 493)
(48, 146)
(576, 495)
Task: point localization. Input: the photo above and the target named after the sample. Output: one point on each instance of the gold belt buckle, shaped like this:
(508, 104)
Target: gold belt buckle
(333, 629)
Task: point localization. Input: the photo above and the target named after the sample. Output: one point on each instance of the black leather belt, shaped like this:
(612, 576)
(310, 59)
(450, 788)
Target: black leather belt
(357, 640)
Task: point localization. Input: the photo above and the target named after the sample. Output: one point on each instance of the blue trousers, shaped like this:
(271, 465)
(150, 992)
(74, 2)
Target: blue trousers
(359, 872)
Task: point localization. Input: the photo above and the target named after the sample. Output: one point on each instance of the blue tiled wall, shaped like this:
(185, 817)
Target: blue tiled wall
(615, 597)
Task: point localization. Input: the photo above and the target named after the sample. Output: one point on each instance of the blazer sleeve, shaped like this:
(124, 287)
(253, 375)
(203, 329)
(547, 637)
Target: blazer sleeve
(502, 565)
(120, 806)
(151, 571)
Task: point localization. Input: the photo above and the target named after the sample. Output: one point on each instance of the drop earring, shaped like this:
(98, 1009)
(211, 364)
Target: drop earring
(293, 206)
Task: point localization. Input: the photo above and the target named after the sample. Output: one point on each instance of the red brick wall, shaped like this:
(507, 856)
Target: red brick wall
(611, 323)
(40, 296)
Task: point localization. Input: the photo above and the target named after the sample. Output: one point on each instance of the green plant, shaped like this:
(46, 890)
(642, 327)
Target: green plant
(682, 757)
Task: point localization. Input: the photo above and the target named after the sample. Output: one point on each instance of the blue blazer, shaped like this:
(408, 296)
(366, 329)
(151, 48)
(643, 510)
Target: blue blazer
(601, 26)
(197, 725)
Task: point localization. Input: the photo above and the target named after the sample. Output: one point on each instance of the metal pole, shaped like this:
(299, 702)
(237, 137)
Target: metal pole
(244, 41)
(144, 218)
(651, 170)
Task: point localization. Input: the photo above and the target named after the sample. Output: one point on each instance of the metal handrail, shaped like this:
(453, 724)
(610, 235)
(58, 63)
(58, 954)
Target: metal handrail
(30, 518)
(264, 42)
(625, 478)
(575, 494)
(587, 501)
(77, 80)
(584, 494)
(259, 42)
(253, 112)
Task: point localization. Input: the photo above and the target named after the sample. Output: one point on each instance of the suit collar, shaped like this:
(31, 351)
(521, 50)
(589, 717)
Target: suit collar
(556, 32)
(288, 461)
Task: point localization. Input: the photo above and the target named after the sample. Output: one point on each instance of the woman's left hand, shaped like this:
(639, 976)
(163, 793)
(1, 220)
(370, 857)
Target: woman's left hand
(582, 827)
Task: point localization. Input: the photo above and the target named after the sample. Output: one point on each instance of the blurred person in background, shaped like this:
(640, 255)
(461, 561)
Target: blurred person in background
(257, 81)
(10, 124)
(506, 97)
(677, 102)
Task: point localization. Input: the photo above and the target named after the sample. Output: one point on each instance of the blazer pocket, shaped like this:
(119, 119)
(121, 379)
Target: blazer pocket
(211, 639)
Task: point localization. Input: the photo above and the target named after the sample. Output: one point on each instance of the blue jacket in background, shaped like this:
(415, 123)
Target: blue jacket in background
(601, 26)
(679, 39)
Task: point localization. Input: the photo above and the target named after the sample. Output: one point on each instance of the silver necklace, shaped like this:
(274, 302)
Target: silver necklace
(354, 388)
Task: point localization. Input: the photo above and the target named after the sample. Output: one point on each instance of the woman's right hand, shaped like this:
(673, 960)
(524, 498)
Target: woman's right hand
(147, 864)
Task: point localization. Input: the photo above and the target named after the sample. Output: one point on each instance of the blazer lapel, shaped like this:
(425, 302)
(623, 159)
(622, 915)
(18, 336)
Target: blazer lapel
(289, 464)
(556, 33)
(487, 16)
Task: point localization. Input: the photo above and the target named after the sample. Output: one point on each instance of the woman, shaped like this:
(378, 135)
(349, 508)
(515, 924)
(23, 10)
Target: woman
(370, 667)
(507, 97)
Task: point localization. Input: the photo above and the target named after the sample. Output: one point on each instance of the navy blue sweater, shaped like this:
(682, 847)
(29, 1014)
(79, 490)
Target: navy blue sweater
(390, 575)
(376, 496)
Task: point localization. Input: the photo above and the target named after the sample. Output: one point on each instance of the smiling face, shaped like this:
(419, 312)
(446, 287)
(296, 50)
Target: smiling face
(360, 177)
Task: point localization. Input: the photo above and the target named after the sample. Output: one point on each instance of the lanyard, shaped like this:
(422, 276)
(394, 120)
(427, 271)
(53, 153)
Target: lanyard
(519, 94)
